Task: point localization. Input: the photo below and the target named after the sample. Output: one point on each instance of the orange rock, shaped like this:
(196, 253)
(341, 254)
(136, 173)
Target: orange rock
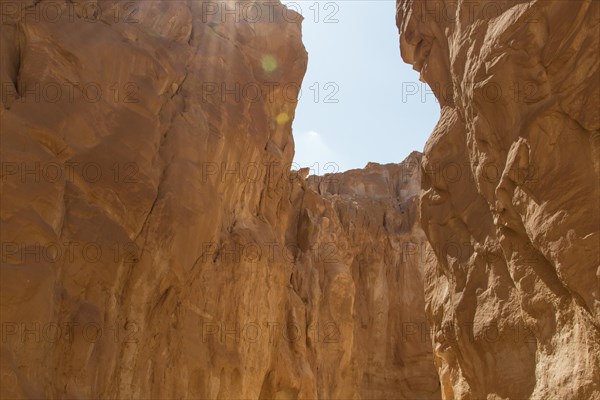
(512, 293)
(155, 243)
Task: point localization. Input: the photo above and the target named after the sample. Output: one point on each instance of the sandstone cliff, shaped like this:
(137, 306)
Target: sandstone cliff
(376, 218)
(510, 198)
(155, 243)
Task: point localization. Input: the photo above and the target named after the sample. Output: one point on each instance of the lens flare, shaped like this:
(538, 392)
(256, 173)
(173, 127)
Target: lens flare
(282, 118)
(269, 63)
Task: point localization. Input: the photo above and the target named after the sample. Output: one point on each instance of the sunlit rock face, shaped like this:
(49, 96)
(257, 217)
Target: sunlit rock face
(510, 200)
(155, 244)
(371, 216)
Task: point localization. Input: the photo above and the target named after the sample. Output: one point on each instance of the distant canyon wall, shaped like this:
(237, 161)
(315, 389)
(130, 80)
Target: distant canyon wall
(510, 200)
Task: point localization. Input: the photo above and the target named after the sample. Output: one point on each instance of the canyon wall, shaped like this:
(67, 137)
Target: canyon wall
(155, 243)
(510, 200)
(375, 215)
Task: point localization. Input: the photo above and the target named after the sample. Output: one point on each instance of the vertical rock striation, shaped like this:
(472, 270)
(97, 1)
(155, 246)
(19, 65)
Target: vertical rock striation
(155, 243)
(372, 215)
(510, 200)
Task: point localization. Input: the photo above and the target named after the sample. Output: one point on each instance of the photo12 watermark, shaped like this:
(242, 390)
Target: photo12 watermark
(269, 92)
(32, 332)
(72, 92)
(269, 331)
(31, 172)
(250, 12)
(69, 11)
(70, 251)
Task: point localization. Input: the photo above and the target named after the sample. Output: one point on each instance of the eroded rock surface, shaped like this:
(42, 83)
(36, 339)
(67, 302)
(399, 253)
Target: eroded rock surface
(375, 215)
(511, 195)
(154, 242)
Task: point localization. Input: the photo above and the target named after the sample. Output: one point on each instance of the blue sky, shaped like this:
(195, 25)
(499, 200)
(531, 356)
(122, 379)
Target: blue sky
(382, 113)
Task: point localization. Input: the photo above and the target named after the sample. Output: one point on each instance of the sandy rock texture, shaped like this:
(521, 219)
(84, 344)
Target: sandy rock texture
(374, 216)
(155, 243)
(510, 200)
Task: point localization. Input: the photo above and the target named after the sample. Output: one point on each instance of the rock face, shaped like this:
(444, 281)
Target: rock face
(155, 243)
(510, 200)
(372, 218)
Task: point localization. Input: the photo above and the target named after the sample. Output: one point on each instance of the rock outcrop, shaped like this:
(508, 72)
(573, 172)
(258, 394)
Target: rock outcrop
(510, 200)
(376, 233)
(155, 243)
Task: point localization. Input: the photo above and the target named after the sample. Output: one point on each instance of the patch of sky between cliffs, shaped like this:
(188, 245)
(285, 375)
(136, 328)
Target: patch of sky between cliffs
(359, 101)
